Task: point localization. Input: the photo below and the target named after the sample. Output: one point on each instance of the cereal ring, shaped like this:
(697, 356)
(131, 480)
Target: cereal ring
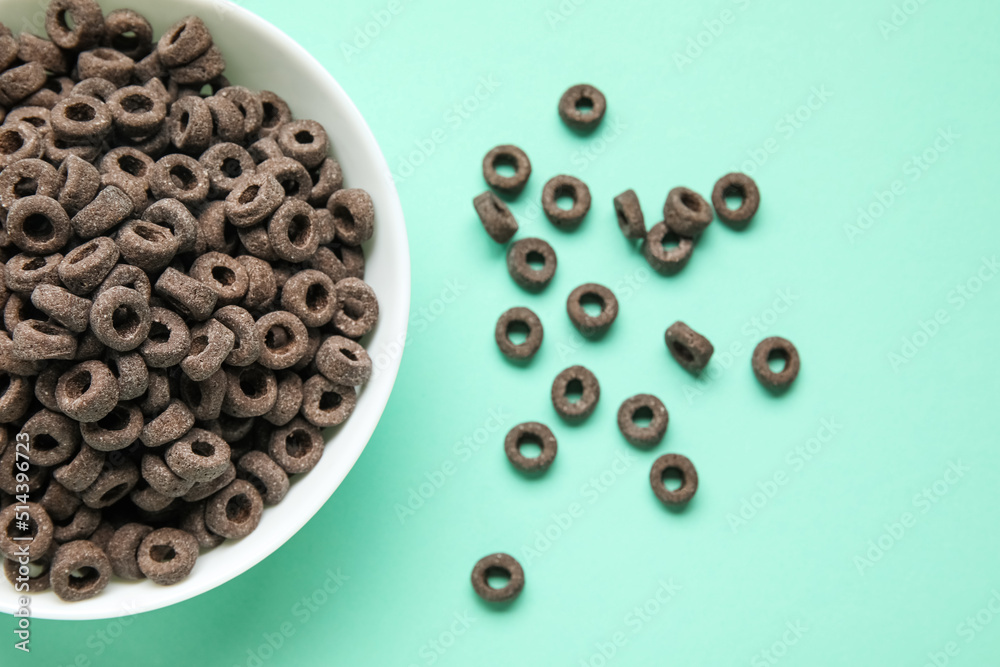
(530, 433)
(127, 160)
(498, 565)
(105, 63)
(199, 456)
(275, 113)
(126, 275)
(146, 245)
(343, 361)
(284, 339)
(129, 32)
(353, 215)
(325, 403)
(35, 49)
(189, 297)
(84, 16)
(253, 198)
(251, 391)
(168, 341)
(297, 447)
(45, 386)
(87, 392)
(235, 511)
(176, 217)
(686, 212)
(305, 141)
(80, 118)
(688, 347)
(327, 178)
(293, 231)
(39, 530)
(18, 83)
(211, 343)
(120, 318)
(226, 163)
(496, 218)
(565, 186)
(171, 424)
(193, 523)
(249, 105)
(213, 232)
(629, 214)
(55, 150)
(689, 479)
(109, 208)
(111, 485)
(573, 380)
(510, 156)
(311, 296)
(19, 141)
(119, 429)
(183, 42)
(85, 558)
(190, 124)
(62, 306)
(770, 348)
(26, 178)
(82, 471)
(95, 87)
(38, 117)
(227, 121)
(159, 476)
(265, 475)
(149, 68)
(82, 525)
(582, 107)
(358, 310)
(122, 550)
(664, 257)
(148, 499)
(204, 398)
(34, 341)
(235, 430)
(167, 555)
(38, 224)
(266, 149)
(289, 399)
(132, 373)
(641, 407)
(521, 320)
(592, 326)
(15, 398)
(522, 255)
(736, 185)
(102, 535)
(223, 275)
(136, 111)
(246, 348)
(23, 273)
(179, 177)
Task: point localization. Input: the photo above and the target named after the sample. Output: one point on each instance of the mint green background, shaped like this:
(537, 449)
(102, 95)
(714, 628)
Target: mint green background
(852, 305)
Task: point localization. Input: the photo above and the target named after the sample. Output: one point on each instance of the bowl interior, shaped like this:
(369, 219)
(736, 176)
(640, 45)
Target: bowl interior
(311, 92)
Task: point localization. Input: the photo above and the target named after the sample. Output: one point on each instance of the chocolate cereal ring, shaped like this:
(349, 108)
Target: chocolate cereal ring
(26, 178)
(343, 361)
(223, 275)
(275, 113)
(79, 182)
(24, 272)
(159, 476)
(79, 571)
(629, 214)
(171, 424)
(167, 555)
(136, 111)
(109, 208)
(183, 42)
(498, 565)
(168, 341)
(126, 275)
(21, 82)
(199, 456)
(205, 68)
(527, 322)
(203, 398)
(253, 198)
(688, 347)
(235, 511)
(265, 475)
(293, 176)
(80, 118)
(87, 392)
(311, 296)
(63, 307)
(297, 447)
(211, 343)
(689, 479)
(327, 178)
(293, 231)
(663, 257)
(59, 502)
(119, 429)
(19, 141)
(38, 224)
(120, 318)
(85, 267)
(15, 398)
(250, 107)
(565, 186)
(582, 107)
(34, 340)
(84, 16)
(775, 347)
(284, 339)
(511, 156)
(353, 215)
(190, 125)
(522, 255)
(643, 406)
(39, 529)
(193, 523)
(111, 485)
(54, 438)
(226, 163)
(176, 217)
(179, 177)
(736, 185)
(325, 403)
(496, 218)
(129, 32)
(575, 379)
(686, 212)
(149, 246)
(305, 141)
(251, 391)
(592, 325)
(122, 550)
(358, 309)
(202, 490)
(188, 296)
(533, 433)
(82, 470)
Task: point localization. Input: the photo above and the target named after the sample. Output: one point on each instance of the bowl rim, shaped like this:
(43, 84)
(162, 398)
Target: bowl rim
(379, 394)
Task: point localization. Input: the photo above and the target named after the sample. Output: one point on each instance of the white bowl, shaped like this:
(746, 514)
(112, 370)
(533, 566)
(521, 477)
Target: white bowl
(260, 56)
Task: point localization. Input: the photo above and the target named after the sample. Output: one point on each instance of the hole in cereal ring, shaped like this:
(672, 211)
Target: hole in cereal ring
(777, 359)
(202, 448)
(182, 177)
(223, 275)
(83, 577)
(277, 337)
(329, 400)
(592, 304)
(574, 390)
(344, 215)
(25, 187)
(584, 104)
(535, 260)
(317, 297)
(38, 226)
(517, 332)
(78, 384)
(239, 508)
(690, 201)
(249, 194)
(565, 194)
(253, 383)
(304, 137)
(158, 332)
(16, 530)
(34, 264)
(130, 164)
(80, 112)
(232, 167)
(505, 165)
(298, 230)
(347, 352)
(530, 445)
(298, 443)
(116, 420)
(162, 553)
(672, 479)
(137, 104)
(125, 320)
(113, 492)
(643, 416)
(683, 352)
(11, 141)
(44, 442)
(497, 578)
(198, 345)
